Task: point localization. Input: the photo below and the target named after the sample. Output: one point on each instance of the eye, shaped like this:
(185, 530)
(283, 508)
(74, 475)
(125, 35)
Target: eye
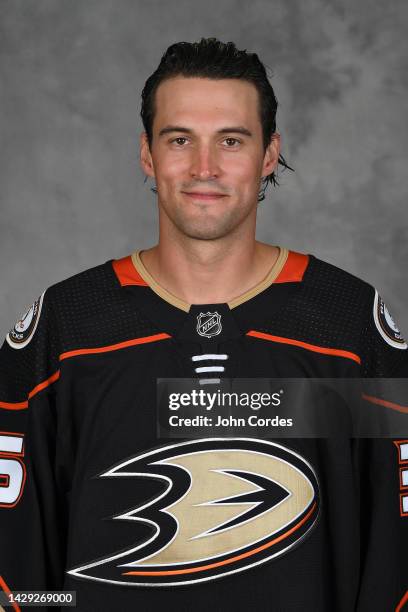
(234, 140)
(177, 139)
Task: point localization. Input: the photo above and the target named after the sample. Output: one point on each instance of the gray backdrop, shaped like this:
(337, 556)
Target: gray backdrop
(72, 193)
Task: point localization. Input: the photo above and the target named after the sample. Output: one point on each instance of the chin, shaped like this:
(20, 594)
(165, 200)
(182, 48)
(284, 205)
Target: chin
(204, 233)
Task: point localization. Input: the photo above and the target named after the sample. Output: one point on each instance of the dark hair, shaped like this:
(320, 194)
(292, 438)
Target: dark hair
(211, 58)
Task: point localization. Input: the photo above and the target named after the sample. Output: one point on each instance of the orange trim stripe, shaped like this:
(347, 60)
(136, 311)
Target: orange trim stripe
(115, 347)
(37, 389)
(294, 268)
(226, 561)
(127, 273)
(403, 601)
(385, 403)
(44, 384)
(88, 351)
(7, 591)
(14, 405)
(305, 345)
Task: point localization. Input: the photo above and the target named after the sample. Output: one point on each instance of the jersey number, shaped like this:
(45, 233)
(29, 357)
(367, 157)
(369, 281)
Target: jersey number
(12, 468)
(402, 446)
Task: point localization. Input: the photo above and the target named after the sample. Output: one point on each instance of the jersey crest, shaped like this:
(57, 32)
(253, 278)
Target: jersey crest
(227, 505)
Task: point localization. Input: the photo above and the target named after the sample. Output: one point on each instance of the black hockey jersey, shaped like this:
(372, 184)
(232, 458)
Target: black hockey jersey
(92, 500)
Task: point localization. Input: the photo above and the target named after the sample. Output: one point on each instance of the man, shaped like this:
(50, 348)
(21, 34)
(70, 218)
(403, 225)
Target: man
(93, 499)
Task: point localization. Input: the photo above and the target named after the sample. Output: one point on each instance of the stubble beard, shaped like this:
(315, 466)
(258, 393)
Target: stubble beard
(207, 226)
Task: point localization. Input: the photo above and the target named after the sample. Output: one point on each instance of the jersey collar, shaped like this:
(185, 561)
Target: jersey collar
(171, 314)
(288, 267)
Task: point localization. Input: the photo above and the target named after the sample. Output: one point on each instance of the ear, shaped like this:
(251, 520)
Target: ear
(146, 160)
(271, 155)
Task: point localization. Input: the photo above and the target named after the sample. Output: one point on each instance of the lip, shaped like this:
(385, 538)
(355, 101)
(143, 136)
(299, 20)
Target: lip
(202, 195)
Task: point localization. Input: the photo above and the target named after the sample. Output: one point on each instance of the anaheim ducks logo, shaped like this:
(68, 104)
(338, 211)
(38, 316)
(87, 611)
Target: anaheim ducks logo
(228, 504)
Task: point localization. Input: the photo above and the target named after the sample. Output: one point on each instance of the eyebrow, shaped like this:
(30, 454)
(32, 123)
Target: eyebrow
(236, 129)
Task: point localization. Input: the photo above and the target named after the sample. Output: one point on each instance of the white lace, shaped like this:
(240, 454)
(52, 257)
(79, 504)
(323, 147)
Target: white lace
(210, 368)
(209, 381)
(207, 356)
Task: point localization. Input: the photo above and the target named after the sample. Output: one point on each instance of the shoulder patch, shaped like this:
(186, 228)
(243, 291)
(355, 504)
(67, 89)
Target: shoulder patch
(23, 331)
(386, 324)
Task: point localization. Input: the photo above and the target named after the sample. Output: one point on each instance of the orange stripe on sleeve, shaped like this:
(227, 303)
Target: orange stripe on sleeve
(37, 389)
(14, 405)
(7, 591)
(305, 345)
(385, 403)
(44, 384)
(74, 353)
(402, 603)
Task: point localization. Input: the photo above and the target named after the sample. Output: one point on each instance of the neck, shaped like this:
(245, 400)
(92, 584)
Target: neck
(206, 271)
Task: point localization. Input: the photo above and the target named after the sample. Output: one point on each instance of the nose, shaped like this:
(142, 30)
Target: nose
(204, 163)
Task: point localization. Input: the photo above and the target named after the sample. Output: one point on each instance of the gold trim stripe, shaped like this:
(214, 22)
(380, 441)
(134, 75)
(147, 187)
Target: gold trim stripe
(175, 301)
(266, 282)
(161, 291)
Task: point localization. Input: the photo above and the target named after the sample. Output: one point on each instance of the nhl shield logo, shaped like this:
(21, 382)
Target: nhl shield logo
(209, 324)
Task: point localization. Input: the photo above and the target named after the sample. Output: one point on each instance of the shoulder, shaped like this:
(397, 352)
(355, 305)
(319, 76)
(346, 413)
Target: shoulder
(327, 278)
(356, 307)
(84, 287)
(92, 309)
(88, 309)
(328, 297)
(31, 349)
(72, 295)
(353, 295)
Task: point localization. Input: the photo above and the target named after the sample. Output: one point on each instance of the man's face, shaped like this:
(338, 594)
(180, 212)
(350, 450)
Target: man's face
(207, 154)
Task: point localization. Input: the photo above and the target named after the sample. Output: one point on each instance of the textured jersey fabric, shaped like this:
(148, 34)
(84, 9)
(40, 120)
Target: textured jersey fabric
(93, 501)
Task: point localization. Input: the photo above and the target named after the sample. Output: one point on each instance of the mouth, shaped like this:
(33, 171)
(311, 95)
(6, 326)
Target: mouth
(202, 195)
